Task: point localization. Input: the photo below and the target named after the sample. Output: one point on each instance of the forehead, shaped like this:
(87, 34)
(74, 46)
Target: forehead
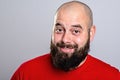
(76, 16)
(60, 24)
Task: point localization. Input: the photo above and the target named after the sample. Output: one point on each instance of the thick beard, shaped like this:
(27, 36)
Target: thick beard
(63, 61)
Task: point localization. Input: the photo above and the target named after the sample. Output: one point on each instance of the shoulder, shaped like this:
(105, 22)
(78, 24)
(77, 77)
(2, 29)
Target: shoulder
(35, 65)
(37, 60)
(100, 64)
(101, 67)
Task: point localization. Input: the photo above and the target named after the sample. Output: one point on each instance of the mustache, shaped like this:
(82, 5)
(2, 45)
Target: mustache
(64, 45)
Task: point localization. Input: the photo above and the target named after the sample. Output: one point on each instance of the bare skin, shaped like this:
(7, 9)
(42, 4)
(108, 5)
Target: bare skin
(71, 25)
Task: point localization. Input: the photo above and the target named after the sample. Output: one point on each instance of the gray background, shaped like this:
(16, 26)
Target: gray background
(26, 25)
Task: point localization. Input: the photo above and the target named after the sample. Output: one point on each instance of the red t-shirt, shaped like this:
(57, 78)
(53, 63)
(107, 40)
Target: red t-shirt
(41, 68)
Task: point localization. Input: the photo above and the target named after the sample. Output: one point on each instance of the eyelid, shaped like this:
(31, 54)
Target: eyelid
(79, 29)
(77, 26)
(59, 30)
(76, 29)
(59, 26)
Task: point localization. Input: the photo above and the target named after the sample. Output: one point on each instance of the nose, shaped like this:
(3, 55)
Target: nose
(66, 38)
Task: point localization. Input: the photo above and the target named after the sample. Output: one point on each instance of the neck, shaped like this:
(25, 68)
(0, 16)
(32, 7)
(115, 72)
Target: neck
(82, 62)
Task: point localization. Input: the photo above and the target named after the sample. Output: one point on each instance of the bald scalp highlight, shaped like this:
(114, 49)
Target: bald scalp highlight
(86, 8)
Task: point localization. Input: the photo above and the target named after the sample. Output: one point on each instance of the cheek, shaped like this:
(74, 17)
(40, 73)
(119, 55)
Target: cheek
(81, 41)
(56, 38)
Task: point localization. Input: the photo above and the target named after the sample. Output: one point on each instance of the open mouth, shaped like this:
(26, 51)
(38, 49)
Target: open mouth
(67, 50)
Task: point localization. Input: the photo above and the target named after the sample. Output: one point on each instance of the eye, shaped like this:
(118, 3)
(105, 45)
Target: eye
(76, 32)
(59, 30)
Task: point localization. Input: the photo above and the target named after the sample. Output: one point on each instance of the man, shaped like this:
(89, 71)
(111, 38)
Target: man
(73, 30)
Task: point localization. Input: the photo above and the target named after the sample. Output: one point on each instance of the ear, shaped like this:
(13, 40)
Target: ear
(92, 32)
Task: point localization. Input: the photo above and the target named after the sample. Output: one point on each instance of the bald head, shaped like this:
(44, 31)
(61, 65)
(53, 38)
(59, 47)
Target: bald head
(77, 7)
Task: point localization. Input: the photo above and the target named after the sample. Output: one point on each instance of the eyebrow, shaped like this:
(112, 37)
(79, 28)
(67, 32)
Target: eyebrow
(58, 24)
(78, 25)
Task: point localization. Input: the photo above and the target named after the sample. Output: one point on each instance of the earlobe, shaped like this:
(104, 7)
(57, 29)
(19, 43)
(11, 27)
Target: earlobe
(92, 32)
